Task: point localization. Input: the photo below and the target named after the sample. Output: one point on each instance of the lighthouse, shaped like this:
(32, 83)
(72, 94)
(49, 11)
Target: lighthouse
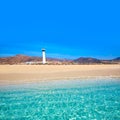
(43, 56)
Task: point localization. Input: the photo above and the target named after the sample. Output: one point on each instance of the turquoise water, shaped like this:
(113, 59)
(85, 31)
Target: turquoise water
(97, 99)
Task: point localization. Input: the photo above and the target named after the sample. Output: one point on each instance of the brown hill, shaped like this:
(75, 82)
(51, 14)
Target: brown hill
(116, 59)
(22, 59)
(19, 59)
(83, 60)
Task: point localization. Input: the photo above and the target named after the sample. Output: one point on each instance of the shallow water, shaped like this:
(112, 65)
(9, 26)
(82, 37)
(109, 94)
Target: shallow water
(97, 99)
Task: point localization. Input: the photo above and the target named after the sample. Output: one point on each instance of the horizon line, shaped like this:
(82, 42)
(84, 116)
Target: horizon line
(12, 55)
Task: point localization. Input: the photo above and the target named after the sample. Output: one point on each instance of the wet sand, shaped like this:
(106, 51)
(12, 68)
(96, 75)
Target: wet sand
(17, 74)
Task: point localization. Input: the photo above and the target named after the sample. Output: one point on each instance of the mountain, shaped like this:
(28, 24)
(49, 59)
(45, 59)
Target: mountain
(18, 59)
(83, 60)
(23, 59)
(116, 59)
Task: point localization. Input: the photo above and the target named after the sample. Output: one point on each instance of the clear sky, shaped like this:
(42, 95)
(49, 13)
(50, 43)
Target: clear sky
(65, 28)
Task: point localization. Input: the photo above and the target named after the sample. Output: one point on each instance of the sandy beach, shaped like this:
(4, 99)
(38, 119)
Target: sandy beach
(17, 74)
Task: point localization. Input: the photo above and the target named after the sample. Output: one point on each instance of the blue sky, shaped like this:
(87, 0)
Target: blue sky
(65, 28)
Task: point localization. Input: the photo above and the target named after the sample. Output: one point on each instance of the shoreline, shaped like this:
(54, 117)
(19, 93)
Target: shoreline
(18, 74)
(30, 82)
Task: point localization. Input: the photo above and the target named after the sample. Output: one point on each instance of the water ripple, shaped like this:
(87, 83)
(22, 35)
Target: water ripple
(66, 100)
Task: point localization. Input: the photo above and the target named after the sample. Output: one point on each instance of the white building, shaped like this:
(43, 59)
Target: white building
(43, 56)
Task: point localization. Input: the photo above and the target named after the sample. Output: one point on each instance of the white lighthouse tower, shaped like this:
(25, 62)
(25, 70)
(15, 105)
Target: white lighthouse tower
(43, 56)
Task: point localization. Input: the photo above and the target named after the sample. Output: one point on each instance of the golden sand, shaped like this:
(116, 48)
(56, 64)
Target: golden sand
(14, 74)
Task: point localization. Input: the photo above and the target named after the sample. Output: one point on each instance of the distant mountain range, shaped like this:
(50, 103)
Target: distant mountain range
(22, 59)
(18, 59)
(117, 59)
(83, 60)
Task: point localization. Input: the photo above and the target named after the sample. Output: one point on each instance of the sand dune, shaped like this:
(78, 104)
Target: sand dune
(13, 74)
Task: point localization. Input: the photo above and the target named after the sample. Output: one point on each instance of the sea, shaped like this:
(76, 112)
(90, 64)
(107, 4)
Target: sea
(77, 99)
